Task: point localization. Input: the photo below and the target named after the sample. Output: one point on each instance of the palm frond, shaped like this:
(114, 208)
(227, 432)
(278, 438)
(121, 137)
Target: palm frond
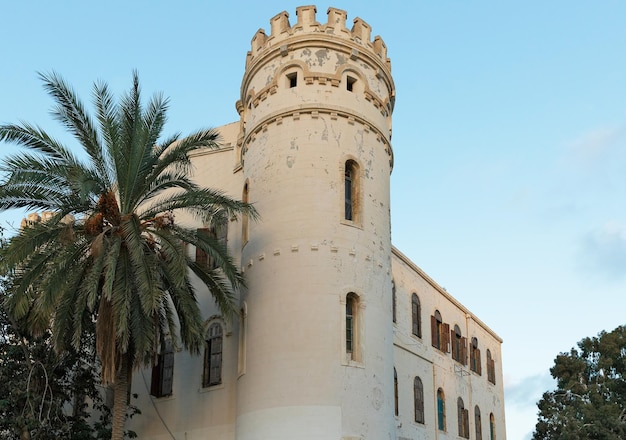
(70, 112)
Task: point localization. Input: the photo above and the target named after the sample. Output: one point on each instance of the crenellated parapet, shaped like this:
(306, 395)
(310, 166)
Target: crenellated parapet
(282, 31)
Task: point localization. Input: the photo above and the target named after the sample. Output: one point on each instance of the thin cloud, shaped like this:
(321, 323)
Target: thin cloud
(527, 392)
(604, 250)
(597, 145)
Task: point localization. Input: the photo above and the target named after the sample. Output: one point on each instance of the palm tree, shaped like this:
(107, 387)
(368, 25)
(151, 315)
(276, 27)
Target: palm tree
(111, 251)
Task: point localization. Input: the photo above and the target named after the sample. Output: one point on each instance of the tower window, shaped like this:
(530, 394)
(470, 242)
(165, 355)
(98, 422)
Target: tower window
(212, 374)
(244, 219)
(350, 83)
(351, 191)
(353, 324)
(492, 427)
(292, 80)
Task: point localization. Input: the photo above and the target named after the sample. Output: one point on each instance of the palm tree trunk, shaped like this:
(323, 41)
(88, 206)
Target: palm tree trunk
(120, 399)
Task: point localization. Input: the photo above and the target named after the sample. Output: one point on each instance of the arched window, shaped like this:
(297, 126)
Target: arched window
(393, 299)
(418, 399)
(492, 427)
(351, 191)
(352, 326)
(491, 368)
(441, 410)
(416, 316)
(440, 332)
(212, 374)
(395, 392)
(459, 346)
(475, 357)
(478, 423)
(462, 418)
(245, 197)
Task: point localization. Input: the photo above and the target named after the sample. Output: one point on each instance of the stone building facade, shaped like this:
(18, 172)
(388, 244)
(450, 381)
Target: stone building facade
(339, 336)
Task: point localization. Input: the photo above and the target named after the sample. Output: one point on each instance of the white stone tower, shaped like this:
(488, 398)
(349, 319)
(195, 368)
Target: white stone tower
(316, 344)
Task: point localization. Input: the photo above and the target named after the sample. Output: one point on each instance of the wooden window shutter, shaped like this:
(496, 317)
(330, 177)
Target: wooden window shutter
(478, 363)
(168, 373)
(464, 351)
(433, 331)
(216, 361)
(446, 338)
(206, 370)
(201, 256)
(163, 374)
(466, 423)
(455, 346)
(491, 371)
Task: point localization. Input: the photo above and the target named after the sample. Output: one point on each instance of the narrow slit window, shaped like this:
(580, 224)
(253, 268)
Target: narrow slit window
(244, 218)
(393, 301)
(350, 310)
(351, 191)
(395, 392)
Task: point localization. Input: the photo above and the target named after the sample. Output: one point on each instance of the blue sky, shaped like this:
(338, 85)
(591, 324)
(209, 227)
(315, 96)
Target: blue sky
(509, 139)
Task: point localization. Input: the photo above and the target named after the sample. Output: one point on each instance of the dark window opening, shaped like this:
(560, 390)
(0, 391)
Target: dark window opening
(395, 392)
(212, 374)
(416, 316)
(292, 79)
(163, 373)
(350, 83)
(418, 396)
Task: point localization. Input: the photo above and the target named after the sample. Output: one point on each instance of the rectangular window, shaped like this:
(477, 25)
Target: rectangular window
(350, 83)
(163, 373)
(292, 79)
(213, 357)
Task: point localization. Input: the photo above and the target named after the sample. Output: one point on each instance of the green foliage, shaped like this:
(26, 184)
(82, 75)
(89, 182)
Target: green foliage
(45, 395)
(590, 399)
(111, 250)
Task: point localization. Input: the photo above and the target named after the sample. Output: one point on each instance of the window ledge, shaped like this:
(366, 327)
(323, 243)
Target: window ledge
(210, 388)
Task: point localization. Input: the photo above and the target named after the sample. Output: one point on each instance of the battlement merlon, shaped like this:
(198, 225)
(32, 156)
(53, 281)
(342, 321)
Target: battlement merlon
(281, 30)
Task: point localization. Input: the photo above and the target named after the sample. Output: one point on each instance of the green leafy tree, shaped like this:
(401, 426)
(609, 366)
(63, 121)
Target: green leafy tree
(590, 399)
(111, 251)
